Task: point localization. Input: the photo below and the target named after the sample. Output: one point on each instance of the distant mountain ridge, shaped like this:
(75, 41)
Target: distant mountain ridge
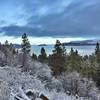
(42, 45)
(83, 42)
(72, 43)
(17, 45)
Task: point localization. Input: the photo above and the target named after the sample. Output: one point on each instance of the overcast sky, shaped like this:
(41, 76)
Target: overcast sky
(47, 20)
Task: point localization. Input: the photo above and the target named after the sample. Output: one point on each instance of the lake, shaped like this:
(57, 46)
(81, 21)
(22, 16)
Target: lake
(83, 50)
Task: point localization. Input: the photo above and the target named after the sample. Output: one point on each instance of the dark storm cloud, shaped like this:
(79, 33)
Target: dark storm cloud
(32, 31)
(74, 18)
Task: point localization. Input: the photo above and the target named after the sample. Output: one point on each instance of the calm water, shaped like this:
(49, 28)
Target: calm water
(83, 50)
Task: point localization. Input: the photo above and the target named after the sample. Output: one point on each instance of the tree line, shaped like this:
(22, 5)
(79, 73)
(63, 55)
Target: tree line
(59, 61)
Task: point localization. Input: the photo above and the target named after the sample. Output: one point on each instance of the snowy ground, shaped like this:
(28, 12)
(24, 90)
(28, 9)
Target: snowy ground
(14, 83)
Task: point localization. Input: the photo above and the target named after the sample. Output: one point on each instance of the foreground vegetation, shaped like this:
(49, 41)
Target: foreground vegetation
(65, 72)
(60, 62)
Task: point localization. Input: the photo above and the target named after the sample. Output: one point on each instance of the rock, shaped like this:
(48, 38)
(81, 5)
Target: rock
(43, 97)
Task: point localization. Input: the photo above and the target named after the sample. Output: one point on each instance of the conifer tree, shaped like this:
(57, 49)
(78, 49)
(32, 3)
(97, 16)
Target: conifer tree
(64, 50)
(58, 48)
(6, 44)
(72, 52)
(97, 49)
(43, 56)
(97, 53)
(25, 48)
(74, 60)
(12, 48)
(58, 58)
(76, 52)
(34, 56)
(97, 75)
(25, 44)
(5, 50)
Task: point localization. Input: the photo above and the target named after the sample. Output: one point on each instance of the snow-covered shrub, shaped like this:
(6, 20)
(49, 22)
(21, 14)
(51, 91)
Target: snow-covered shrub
(4, 91)
(41, 71)
(69, 81)
(54, 84)
(76, 84)
(16, 83)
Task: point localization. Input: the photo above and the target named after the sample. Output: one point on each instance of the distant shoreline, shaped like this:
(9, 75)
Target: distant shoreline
(70, 45)
(19, 46)
(79, 44)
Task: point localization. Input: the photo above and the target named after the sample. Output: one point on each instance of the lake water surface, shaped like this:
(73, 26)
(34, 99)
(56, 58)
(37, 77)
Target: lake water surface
(83, 50)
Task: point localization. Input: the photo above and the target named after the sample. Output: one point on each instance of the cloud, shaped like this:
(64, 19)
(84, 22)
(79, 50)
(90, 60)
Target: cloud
(79, 18)
(58, 18)
(15, 30)
(36, 31)
(36, 40)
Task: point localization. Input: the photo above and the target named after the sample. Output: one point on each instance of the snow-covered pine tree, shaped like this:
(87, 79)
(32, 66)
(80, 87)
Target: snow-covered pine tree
(25, 49)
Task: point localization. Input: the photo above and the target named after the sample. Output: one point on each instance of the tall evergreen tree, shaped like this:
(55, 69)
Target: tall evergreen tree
(43, 56)
(64, 50)
(74, 61)
(76, 52)
(97, 75)
(59, 48)
(26, 47)
(72, 51)
(25, 44)
(58, 58)
(5, 50)
(12, 48)
(97, 53)
(97, 49)
(34, 56)
(6, 44)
